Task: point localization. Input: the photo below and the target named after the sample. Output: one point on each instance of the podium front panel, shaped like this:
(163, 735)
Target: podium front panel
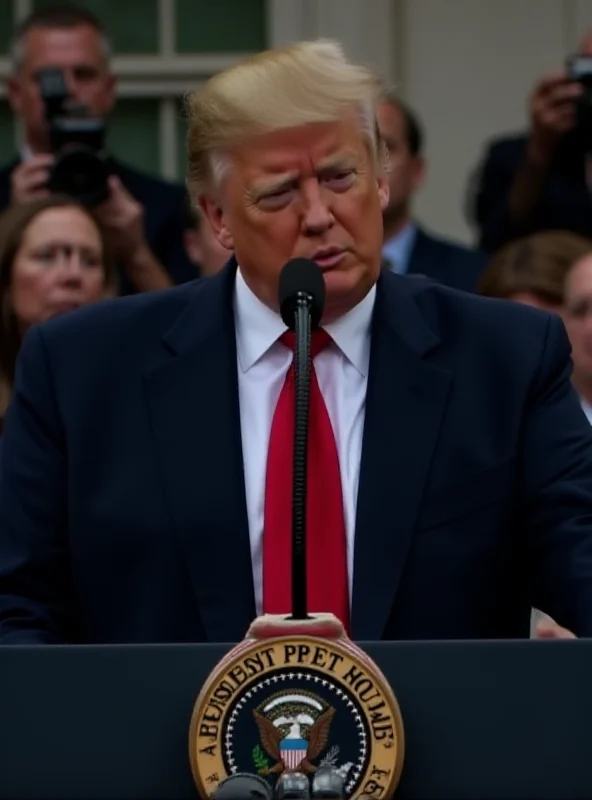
(482, 720)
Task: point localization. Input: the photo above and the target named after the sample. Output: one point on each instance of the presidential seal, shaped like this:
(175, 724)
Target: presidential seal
(297, 704)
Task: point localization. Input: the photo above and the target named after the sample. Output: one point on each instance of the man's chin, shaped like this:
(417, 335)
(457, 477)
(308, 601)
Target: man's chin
(344, 290)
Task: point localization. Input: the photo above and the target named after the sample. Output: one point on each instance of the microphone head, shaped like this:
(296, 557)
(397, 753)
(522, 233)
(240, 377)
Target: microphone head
(292, 786)
(243, 786)
(328, 783)
(301, 276)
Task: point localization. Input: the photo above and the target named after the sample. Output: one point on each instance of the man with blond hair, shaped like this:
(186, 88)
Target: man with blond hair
(144, 495)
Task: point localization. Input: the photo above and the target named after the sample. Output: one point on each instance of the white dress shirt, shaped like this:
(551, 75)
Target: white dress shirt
(397, 250)
(587, 409)
(342, 372)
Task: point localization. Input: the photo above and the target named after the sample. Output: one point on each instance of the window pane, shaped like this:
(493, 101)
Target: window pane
(8, 150)
(134, 133)
(6, 24)
(221, 26)
(131, 24)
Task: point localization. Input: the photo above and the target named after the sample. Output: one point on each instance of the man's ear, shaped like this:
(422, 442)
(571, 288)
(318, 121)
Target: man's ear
(383, 190)
(217, 217)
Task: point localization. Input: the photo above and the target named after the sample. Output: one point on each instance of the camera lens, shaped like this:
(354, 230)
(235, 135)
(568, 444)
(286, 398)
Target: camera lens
(81, 173)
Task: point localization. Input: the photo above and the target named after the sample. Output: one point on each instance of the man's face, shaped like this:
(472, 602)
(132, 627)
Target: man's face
(77, 51)
(585, 48)
(310, 192)
(406, 171)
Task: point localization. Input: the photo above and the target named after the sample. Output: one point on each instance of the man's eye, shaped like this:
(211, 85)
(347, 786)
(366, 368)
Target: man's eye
(341, 179)
(276, 198)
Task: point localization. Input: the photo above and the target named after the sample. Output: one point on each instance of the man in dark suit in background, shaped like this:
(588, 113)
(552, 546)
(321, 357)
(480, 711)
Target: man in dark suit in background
(139, 491)
(144, 216)
(408, 247)
(541, 180)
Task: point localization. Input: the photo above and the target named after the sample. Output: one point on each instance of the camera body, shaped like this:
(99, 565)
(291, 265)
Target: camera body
(81, 168)
(579, 69)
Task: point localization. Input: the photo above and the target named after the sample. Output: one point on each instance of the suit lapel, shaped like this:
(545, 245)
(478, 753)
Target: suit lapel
(192, 394)
(405, 404)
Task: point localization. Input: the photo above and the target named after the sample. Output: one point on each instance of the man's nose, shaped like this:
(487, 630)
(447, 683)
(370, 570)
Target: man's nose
(317, 211)
(72, 86)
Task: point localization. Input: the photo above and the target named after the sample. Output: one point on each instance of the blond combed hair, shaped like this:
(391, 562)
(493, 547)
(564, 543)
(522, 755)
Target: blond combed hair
(299, 84)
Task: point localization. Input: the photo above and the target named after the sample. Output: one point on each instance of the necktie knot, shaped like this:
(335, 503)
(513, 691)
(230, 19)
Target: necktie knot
(319, 340)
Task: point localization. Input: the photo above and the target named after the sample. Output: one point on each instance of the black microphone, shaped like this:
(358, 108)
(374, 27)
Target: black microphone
(243, 786)
(293, 786)
(301, 300)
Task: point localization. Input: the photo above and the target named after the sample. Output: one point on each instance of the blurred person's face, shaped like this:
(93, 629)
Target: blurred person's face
(577, 315)
(58, 267)
(310, 192)
(585, 47)
(204, 249)
(535, 300)
(406, 171)
(78, 52)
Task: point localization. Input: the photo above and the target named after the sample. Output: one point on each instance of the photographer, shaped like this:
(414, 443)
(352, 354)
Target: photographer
(144, 217)
(542, 181)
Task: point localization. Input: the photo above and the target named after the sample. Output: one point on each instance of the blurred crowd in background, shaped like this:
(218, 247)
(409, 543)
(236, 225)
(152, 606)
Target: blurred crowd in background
(79, 225)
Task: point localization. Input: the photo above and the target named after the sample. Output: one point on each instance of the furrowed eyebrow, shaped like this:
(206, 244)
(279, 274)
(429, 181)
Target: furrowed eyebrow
(339, 161)
(342, 161)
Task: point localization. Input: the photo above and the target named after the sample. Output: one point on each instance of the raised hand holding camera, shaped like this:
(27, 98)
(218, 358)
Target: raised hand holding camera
(29, 179)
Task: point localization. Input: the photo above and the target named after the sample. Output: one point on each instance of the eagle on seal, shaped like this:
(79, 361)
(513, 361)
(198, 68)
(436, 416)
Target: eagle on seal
(293, 751)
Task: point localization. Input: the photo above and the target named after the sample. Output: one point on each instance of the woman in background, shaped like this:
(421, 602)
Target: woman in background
(533, 270)
(52, 260)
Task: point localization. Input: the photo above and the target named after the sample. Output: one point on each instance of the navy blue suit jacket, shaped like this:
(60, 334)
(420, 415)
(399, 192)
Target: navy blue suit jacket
(446, 262)
(565, 202)
(122, 500)
(165, 218)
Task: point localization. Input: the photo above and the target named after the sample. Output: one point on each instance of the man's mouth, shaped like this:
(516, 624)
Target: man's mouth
(329, 257)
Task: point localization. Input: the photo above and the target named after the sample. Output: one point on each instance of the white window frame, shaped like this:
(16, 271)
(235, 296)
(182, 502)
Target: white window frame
(364, 26)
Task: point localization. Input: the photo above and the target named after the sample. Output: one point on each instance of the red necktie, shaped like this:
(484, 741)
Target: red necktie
(326, 551)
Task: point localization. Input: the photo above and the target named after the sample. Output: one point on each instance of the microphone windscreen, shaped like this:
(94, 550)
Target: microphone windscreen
(293, 786)
(327, 783)
(243, 786)
(301, 275)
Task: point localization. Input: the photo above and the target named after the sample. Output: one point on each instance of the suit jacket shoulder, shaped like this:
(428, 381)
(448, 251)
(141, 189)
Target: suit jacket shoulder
(451, 263)
(509, 147)
(505, 334)
(123, 327)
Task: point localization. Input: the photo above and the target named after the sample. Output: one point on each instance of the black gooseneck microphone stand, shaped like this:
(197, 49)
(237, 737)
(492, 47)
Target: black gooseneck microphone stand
(302, 330)
(301, 295)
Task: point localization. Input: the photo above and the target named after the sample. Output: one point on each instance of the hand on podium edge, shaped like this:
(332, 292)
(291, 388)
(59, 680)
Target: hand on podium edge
(547, 628)
(323, 626)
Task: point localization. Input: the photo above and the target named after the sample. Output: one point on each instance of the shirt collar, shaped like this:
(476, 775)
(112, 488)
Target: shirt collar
(587, 409)
(397, 249)
(258, 328)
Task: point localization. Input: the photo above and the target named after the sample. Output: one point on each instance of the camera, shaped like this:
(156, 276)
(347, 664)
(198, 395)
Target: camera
(579, 69)
(81, 169)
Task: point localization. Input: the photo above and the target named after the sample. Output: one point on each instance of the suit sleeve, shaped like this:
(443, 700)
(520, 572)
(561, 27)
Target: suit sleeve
(491, 210)
(35, 591)
(557, 489)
